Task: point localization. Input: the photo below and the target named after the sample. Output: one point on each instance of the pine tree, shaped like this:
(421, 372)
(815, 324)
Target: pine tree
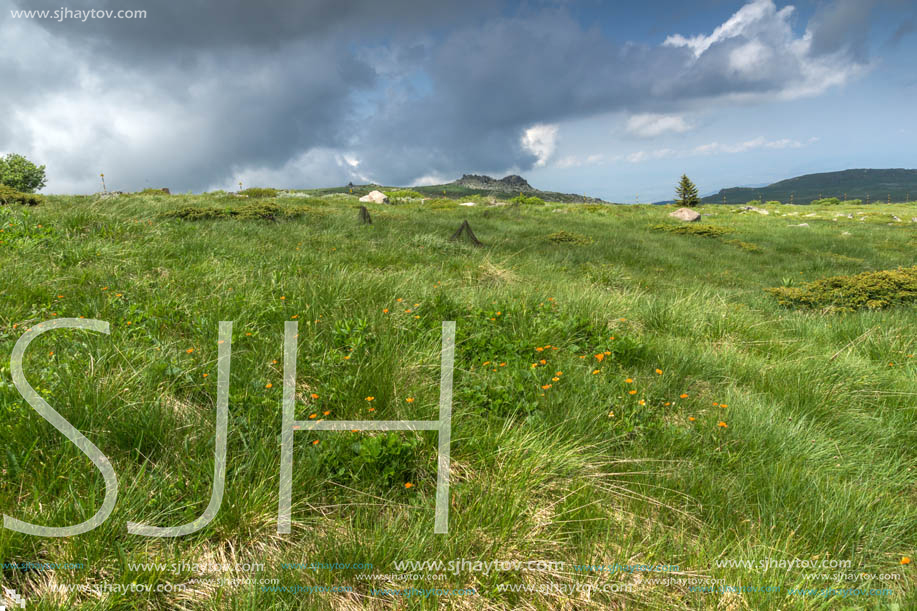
(686, 192)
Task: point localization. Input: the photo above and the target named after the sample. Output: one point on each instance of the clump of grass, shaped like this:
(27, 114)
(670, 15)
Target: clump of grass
(405, 194)
(268, 211)
(826, 201)
(566, 237)
(259, 192)
(528, 201)
(9, 195)
(707, 231)
(745, 245)
(868, 290)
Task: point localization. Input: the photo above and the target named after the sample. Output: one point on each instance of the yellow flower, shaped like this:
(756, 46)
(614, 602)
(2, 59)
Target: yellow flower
(385, 310)
(315, 443)
(631, 392)
(370, 398)
(409, 400)
(691, 418)
(268, 385)
(312, 416)
(642, 402)
(543, 362)
(314, 396)
(408, 485)
(545, 387)
(600, 357)
(539, 349)
(683, 395)
(905, 560)
(555, 379)
(722, 424)
(629, 381)
(595, 371)
(326, 412)
(659, 371)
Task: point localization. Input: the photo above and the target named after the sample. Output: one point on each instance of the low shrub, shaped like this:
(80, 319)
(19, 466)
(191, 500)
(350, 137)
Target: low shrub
(868, 290)
(566, 237)
(754, 202)
(405, 194)
(149, 191)
(826, 201)
(745, 245)
(707, 231)
(773, 202)
(527, 201)
(9, 195)
(258, 192)
(268, 211)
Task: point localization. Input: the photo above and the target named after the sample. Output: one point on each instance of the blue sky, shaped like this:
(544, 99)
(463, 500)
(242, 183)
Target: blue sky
(613, 100)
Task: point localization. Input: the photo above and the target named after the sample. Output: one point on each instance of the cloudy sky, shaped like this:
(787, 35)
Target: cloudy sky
(610, 99)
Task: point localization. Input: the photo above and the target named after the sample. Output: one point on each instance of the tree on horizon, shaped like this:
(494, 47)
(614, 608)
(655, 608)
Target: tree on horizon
(686, 192)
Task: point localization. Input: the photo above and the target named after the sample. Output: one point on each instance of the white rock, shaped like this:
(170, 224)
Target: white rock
(685, 214)
(801, 225)
(467, 204)
(376, 197)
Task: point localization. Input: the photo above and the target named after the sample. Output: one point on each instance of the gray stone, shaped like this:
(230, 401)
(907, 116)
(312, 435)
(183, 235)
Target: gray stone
(376, 197)
(685, 214)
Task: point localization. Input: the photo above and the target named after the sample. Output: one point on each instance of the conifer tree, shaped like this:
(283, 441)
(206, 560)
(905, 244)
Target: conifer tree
(686, 192)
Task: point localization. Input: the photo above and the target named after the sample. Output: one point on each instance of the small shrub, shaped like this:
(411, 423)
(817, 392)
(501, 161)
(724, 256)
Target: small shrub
(149, 191)
(826, 201)
(754, 202)
(707, 231)
(258, 192)
(442, 204)
(527, 201)
(773, 202)
(9, 195)
(386, 461)
(868, 290)
(565, 237)
(405, 194)
(852, 202)
(268, 211)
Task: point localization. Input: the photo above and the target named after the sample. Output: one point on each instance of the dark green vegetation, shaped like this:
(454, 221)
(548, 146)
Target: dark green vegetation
(686, 192)
(877, 185)
(872, 290)
(553, 458)
(9, 195)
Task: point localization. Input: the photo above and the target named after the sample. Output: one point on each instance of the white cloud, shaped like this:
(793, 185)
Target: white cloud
(428, 179)
(747, 18)
(648, 125)
(641, 156)
(540, 140)
(757, 143)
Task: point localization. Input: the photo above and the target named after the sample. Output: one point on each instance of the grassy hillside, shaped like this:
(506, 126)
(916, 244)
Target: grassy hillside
(876, 185)
(623, 394)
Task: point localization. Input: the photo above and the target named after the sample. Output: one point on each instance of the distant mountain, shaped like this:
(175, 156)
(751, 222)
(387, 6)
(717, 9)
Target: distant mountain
(878, 185)
(506, 187)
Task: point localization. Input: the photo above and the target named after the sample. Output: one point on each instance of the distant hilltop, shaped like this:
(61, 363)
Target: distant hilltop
(512, 183)
(876, 185)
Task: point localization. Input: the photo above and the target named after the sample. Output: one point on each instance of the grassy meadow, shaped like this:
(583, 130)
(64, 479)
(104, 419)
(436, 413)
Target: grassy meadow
(624, 394)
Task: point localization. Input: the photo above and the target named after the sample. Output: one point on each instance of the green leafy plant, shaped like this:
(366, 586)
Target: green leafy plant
(826, 201)
(21, 174)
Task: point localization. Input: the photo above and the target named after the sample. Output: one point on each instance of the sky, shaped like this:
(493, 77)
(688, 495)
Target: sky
(610, 99)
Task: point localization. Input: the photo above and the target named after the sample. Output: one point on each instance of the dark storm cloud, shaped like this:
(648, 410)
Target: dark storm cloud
(843, 26)
(206, 91)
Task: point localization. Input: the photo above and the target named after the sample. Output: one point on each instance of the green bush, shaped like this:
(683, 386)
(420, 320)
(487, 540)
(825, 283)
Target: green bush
(405, 194)
(21, 174)
(773, 202)
(868, 290)
(826, 201)
(754, 202)
(9, 195)
(259, 192)
(268, 211)
(527, 201)
(566, 237)
(707, 231)
(385, 461)
(852, 202)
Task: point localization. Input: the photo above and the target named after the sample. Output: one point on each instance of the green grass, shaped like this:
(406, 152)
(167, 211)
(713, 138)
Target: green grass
(818, 458)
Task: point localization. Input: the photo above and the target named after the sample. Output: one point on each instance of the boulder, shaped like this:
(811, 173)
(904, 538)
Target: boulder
(376, 197)
(467, 204)
(756, 209)
(685, 214)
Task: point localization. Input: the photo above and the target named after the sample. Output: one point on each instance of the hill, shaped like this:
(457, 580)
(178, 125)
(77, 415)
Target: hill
(476, 184)
(899, 185)
(624, 392)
